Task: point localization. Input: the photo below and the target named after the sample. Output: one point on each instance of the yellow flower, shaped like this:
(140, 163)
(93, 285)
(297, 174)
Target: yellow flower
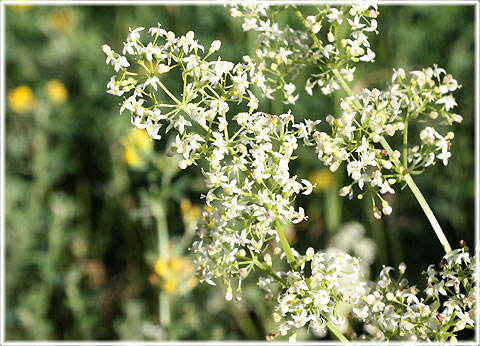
(161, 267)
(170, 285)
(176, 275)
(56, 91)
(175, 264)
(137, 146)
(21, 99)
(59, 21)
(19, 7)
(323, 178)
(190, 212)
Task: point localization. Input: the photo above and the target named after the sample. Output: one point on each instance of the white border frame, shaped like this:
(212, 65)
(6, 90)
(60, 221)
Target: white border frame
(3, 4)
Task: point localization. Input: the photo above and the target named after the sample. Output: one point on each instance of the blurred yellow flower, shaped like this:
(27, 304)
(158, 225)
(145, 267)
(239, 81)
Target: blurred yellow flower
(137, 146)
(59, 21)
(56, 91)
(22, 7)
(176, 275)
(161, 267)
(21, 99)
(170, 285)
(323, 179)
(190, 212)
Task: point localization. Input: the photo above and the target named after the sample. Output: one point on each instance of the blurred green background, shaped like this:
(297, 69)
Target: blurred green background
(88, 202)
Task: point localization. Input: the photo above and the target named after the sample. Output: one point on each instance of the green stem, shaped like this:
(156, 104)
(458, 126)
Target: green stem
(426, 208)
(164, 88)
(337, 333)
(305, 24)
(405, 146)
(285, 245)
(269, 272)
(407, 177)
(160, 211)
(163, 252)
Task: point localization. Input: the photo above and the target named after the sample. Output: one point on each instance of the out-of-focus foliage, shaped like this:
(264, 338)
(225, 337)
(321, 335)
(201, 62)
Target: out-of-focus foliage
(88, 202)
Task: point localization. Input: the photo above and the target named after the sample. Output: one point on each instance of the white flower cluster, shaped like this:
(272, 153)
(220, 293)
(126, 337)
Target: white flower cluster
(392, 309)
(313, 299)
(249, 184)
(245, 162)
(426, 94)
(207, 89)
(250, 190)
(372, 115)
(284, 51)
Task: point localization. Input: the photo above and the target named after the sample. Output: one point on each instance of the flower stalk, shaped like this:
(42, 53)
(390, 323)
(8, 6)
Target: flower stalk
(407, 177)
(285, 245)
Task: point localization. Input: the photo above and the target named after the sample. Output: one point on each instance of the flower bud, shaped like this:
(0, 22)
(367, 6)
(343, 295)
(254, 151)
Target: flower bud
(390, 129)
(316, 28)
(170, 35)
(311, 20)
(310, 252)
(356, 176)
(234, 12)
(162, 68)
(387, 210)
(243, 272)
(330, 37)
(106, 48)
(228, 294)
(215, 45)
(370, 299)
(268, 259)
(344, 191)
(182, 164)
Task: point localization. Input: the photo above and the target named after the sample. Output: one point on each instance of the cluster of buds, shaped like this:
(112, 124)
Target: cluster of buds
(391, 309)
(372, 115)
(283, 51)
(313, 299)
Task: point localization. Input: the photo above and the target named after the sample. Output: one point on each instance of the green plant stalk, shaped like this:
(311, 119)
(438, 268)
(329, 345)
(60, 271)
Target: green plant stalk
(426, 208)
(407, 177)
(285, 245)
(405, 146)
(269, 272)
(163, 252)
(337, 333)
